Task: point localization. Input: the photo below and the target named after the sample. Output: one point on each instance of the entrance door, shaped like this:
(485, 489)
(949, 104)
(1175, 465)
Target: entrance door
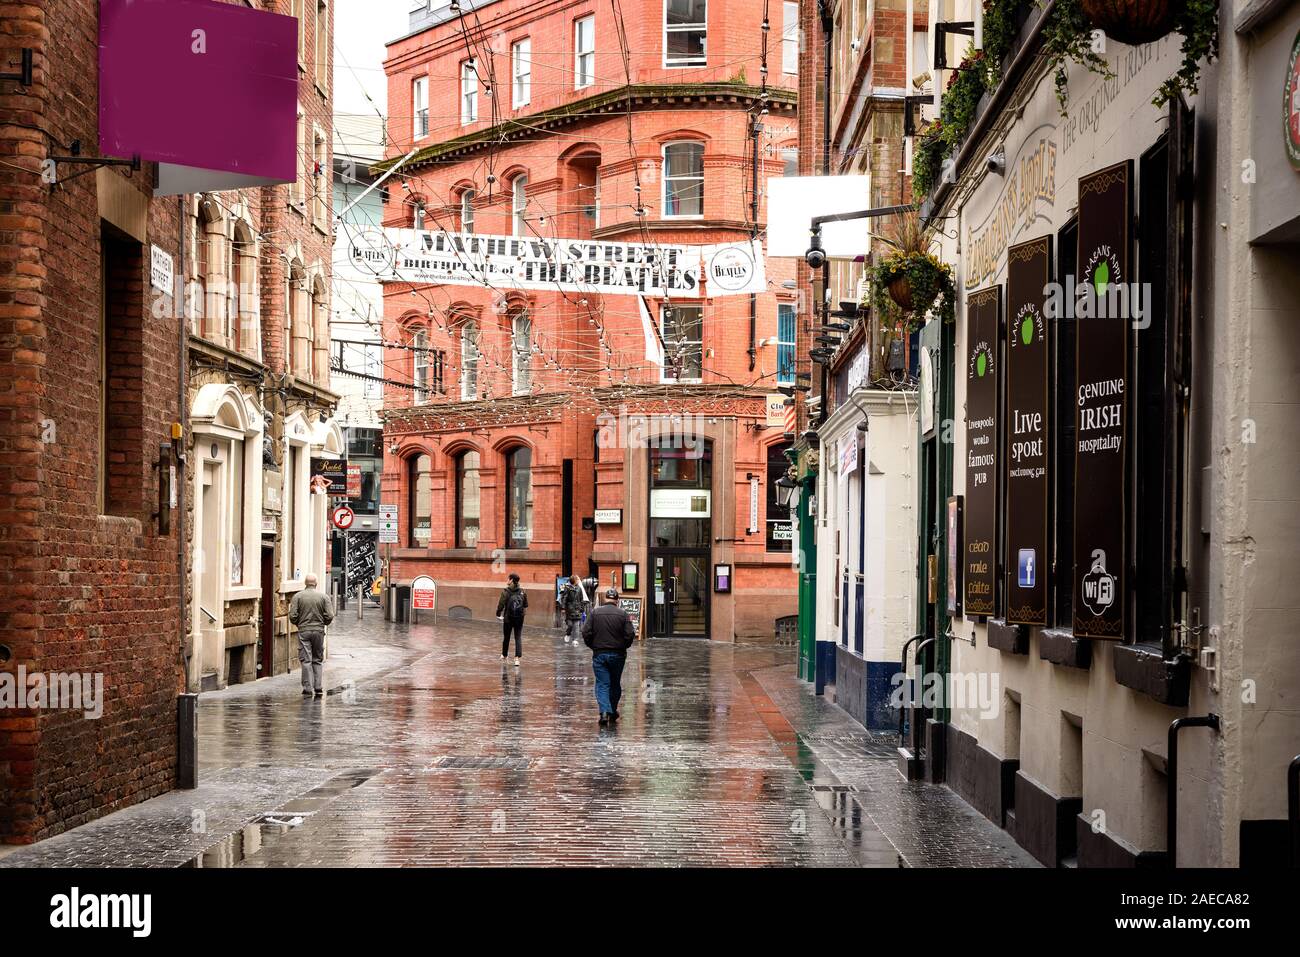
(267, 630)
(681, 534)
(680, 597)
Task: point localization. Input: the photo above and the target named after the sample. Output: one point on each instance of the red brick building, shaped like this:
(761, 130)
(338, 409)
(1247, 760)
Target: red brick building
(90, 384)
(549, 431)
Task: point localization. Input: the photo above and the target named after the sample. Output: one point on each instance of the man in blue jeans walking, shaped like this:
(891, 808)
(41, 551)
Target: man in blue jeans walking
(608, 632)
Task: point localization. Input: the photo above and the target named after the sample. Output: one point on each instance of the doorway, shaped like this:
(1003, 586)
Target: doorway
(264, 665)
(681, 594)
(680, 535)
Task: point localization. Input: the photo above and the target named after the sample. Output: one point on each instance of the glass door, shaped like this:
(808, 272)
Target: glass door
(680, 597)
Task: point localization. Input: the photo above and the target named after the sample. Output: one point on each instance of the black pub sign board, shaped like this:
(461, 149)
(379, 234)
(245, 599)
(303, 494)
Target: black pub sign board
(981, 507)
(1101, 405)
(1025, 458)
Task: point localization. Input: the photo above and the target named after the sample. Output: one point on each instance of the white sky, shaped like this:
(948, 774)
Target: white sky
(361, 28)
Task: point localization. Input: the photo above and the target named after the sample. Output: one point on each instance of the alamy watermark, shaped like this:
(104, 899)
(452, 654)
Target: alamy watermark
(55, 691)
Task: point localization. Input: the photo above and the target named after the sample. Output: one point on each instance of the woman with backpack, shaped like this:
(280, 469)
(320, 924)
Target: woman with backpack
(510, 610)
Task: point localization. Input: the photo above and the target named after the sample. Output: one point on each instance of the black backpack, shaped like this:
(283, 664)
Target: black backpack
(515, 603)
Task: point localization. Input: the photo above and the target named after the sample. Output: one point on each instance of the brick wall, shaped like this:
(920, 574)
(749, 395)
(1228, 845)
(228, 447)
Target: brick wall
(84, 591)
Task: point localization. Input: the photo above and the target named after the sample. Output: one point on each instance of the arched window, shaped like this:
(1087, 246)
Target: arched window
(683, 179)
(467, 500)
(243, 269)
(519, 497)
(467, 211)
(519, 205)
(418, 214)
(469, 361)
(521, 353)
(420, 366)
(419, 485)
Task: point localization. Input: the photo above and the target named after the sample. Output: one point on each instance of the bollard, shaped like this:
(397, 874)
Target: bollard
(361, 599)
(187, 741)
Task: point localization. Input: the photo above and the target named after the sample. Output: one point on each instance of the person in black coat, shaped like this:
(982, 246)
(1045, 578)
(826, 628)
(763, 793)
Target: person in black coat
(609, 634)
(511, 607)
(571, 606)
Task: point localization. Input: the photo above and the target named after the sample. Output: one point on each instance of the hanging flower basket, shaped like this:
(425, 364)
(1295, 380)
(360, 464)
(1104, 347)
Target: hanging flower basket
(900, 290)
(914, 283)
(1131, 21)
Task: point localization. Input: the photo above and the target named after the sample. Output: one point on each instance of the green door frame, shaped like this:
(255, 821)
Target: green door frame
(932, 496)
(807, 580)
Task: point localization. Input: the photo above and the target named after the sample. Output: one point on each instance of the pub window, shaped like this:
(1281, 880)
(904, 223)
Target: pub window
(420, 489)
(467, 500)
(779, 537)
(1063, 342)
(519, 497)
(1153, 444)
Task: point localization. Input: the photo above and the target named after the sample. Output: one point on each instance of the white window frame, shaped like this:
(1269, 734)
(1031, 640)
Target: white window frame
(420, 106)
(420, 366)
(521, 60)
(468, 93)
(670, 64)
(521, 360)
(584, 58)
(469, 356)
(664, 377)
(790, 37)
(663, 209)
(519, 205)
(467, 210)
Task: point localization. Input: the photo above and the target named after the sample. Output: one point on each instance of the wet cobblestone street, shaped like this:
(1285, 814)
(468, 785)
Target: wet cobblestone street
(428, 751)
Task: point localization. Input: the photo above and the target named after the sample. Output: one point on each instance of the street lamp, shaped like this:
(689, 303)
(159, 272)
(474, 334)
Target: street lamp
(785, 487)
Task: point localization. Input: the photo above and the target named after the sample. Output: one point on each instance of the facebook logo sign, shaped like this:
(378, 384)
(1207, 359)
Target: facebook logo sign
(1028, 568)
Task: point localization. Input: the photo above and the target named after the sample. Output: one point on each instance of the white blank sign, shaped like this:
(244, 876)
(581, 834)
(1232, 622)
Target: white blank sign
(792, 202)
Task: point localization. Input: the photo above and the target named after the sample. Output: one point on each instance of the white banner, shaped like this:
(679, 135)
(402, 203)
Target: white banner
(575, 265)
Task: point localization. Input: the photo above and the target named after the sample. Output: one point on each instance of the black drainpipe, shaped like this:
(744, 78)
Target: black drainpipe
(828, 26)
(1171, 779)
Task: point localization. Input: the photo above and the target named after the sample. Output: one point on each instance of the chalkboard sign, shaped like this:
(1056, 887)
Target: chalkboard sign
(633, 608)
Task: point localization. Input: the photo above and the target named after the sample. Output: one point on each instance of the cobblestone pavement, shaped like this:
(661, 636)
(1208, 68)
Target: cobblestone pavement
(427, 750)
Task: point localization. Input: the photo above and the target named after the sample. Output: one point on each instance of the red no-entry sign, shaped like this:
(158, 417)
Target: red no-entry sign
(342, 517)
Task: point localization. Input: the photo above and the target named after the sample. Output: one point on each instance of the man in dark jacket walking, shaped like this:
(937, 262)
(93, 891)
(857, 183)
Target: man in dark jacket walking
(609, 634)
(510, 609)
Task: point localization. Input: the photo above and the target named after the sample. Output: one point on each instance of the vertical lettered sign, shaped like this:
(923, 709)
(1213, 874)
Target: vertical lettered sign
(1101, 402)
(1025, 468)
(981, 507)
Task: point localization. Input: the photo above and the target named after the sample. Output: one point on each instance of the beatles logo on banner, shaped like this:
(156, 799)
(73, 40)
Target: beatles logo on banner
(1101, 403)
(982, 321)
(1025, 469)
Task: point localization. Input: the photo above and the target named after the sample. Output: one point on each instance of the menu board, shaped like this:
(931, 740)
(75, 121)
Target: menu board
(981, 506)
(633, 608)
(1025, 460)
(1101, 403)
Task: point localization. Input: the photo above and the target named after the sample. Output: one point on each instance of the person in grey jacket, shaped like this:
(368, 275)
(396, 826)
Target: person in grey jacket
(311, 612)
(571, 604)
